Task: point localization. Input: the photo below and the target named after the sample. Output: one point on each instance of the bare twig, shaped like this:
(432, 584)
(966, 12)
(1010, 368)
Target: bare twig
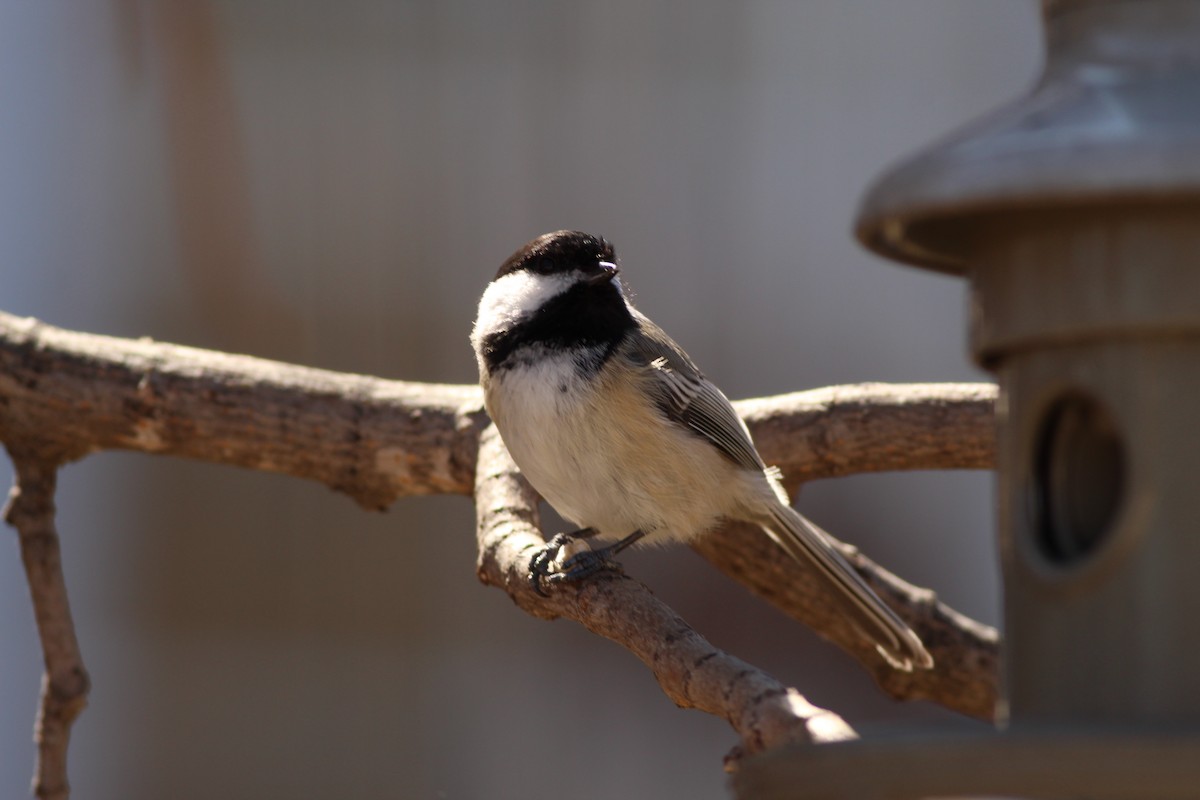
(30, 510)
(690, 670)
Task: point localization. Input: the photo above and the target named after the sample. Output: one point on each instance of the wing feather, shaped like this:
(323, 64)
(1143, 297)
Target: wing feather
(686, 397)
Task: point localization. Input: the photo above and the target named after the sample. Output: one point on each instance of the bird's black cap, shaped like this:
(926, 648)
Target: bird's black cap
(559, 252)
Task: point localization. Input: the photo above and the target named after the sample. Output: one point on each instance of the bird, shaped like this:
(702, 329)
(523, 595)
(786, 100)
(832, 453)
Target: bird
(617, 428)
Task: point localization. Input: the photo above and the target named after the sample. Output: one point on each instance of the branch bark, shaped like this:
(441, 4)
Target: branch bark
(377, 440)
(874, 427)
(965, 677)
(372, 439)
(690, 670)
(65, 682)
(845, 430)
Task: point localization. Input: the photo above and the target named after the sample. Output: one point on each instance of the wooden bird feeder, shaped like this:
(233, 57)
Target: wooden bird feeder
(1074, 214)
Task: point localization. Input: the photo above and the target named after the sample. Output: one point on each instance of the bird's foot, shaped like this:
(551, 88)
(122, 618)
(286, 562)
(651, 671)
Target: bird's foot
(547, 565)
(544, 566)
(544, 561)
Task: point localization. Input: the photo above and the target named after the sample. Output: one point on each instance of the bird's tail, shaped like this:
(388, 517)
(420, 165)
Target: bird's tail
(808, 544)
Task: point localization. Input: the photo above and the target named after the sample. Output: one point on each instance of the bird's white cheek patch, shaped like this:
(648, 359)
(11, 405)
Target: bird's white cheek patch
(515, 296)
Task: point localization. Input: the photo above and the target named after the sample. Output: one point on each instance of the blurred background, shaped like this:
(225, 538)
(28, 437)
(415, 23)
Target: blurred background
(333, 184)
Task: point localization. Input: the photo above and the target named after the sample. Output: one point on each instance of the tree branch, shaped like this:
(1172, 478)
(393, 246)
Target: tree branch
(874, 427)
(690, 670)
(65, 682)
(375, 440)
(845, 430)
(372, 439)
(965, 653)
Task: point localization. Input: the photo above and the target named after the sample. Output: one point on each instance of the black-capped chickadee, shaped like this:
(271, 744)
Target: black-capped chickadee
(615, 426)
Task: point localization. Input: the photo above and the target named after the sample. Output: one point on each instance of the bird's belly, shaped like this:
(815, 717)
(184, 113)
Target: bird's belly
(616, 466)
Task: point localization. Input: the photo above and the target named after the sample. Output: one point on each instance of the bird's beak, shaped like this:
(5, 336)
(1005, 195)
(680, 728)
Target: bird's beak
(608, 271)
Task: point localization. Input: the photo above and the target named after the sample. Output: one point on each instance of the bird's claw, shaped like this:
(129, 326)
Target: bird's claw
(541, 564)
(584, 564)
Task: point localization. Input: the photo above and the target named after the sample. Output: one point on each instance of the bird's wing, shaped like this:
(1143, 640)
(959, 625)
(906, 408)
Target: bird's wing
(686, 397)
